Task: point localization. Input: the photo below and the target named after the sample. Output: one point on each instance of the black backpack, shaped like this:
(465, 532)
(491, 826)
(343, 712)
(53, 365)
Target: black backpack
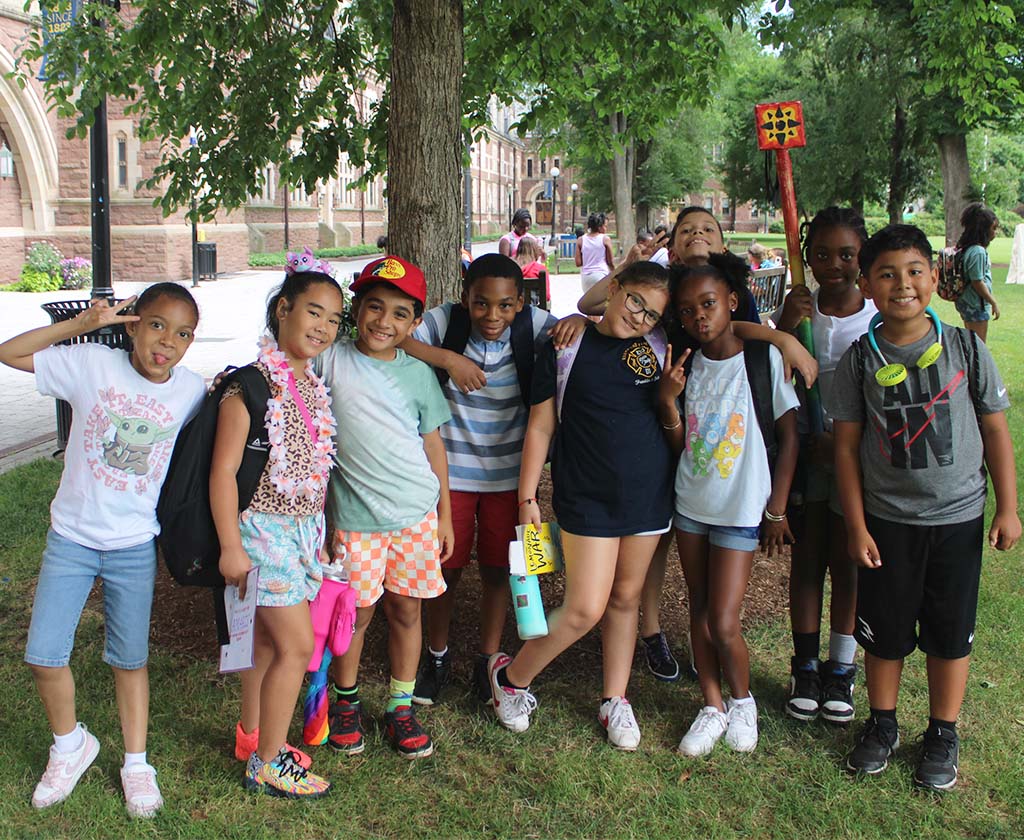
(188, 537)
(456, 337)
(757, 361)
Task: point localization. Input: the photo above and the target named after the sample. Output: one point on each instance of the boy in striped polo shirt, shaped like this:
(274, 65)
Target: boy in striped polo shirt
(483, 351)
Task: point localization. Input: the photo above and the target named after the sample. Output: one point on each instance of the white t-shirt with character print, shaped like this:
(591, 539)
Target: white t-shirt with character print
(122, 435)
(723, 476)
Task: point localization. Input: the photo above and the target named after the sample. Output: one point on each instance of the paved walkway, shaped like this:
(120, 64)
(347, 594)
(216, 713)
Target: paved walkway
(232, 311)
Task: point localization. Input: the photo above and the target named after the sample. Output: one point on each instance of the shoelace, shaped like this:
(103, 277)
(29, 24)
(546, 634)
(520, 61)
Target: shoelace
(620, 716)
(808, 682)
(348, 717)
(836, 687)
(662, 652)
(937, 747)
(704, 721)
(407, 727)
(521, 702)
(884, 736)
(140, 784)
(288, 766)
(746, 713)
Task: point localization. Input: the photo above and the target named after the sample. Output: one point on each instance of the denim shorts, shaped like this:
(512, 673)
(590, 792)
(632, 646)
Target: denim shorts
(972, 307)
(733, 537)
(65, 580)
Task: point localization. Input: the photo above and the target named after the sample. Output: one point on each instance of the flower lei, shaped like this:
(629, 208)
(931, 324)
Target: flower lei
(323, 446)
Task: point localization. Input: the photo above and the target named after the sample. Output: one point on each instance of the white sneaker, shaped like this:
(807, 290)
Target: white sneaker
(513, 706)
(63, 771)
(742, 734)
(709, 725)
(141, 794)
(616, 715)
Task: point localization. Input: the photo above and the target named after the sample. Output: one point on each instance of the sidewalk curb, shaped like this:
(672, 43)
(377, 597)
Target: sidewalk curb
(43, 446)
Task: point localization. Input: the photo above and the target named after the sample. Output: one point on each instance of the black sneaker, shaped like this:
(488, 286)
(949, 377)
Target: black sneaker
(804, 689)
(405, 733)
(659, 657)
(877, 741)
(941, 754)
(345, 721)
(482, 679)
(435, 673)
(837, 682)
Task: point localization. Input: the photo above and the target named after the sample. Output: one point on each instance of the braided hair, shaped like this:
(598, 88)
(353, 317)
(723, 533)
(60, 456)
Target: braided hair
(831, 217)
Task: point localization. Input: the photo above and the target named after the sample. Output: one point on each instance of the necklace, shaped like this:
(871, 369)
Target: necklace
(321, 425)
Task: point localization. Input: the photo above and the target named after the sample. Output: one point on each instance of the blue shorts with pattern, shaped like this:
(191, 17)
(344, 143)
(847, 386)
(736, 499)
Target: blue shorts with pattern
(287, 551)
(972, 307)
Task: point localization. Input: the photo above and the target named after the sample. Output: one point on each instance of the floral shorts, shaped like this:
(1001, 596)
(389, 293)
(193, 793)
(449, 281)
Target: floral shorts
(287, 551)
(406, 562)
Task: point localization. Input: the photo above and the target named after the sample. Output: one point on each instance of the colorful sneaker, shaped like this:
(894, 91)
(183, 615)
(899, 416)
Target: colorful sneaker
(937, 769)
(435, 673)
(804, 701)
(659, 656)
(481, 681)
(405, 733)
(246, 743)
(283, 777)
(837, 682)
(877, 741)
(63, 771)
(513, 706)
(141, 792)
(616, 715)
(742, 732)
(345, 721)
(709, 725)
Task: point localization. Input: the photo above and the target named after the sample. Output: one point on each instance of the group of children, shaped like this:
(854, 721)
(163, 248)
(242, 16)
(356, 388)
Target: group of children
(671, 415)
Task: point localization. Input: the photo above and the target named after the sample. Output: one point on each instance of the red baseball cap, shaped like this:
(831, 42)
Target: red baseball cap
(401, 274)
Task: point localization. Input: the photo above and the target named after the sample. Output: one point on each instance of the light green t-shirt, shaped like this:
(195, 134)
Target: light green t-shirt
(384, 481)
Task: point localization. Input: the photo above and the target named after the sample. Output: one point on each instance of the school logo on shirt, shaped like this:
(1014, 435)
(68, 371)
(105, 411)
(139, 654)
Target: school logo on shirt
(127, 440)
(640, 359)
(917, 420)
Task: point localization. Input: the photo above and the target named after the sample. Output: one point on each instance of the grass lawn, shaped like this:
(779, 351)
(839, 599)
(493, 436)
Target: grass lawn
(558, 780)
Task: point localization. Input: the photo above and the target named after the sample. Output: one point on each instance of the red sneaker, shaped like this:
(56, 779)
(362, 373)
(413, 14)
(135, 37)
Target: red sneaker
(406, 734)
(346, 727)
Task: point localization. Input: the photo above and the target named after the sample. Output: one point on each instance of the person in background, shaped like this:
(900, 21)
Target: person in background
(977, 306)
(508, 245)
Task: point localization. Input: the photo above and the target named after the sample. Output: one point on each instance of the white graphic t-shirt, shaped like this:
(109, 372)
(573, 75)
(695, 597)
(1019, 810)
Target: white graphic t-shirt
(122, 435)
(723, 477)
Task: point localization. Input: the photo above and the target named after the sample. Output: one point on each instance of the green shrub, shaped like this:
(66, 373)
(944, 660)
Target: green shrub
(270, 259)
(348, 251)
(34, 281)
(778, 226)
(42, 256)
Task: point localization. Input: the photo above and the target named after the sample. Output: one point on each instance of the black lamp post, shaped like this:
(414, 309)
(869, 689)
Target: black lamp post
(575, 188)
(555, 172)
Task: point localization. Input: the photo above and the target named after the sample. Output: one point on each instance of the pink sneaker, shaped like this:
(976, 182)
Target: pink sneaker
(63, 771)
(141, 794)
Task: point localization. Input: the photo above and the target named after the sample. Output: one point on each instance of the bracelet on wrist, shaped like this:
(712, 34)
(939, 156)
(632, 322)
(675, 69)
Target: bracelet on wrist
(771, 517)
(527, 501)
(676, 425)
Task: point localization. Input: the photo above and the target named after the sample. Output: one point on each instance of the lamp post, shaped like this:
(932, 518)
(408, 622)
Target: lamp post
(192, 142)
(555, 172)
(575, 187)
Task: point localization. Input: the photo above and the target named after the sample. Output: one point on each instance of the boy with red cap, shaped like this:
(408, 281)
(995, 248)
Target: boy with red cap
(389, 512)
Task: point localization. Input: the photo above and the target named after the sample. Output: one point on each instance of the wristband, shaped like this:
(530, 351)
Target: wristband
(771, 517)
(527, 501)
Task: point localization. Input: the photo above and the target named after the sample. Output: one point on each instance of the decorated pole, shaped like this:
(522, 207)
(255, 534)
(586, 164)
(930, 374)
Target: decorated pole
(780, 127)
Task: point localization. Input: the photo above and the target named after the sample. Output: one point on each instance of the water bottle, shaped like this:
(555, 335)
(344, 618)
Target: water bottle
(529, 609)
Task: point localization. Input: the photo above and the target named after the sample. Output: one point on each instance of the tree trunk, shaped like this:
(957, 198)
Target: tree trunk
(956, 180)
(622, 182)
(897, 169)
(425, 141)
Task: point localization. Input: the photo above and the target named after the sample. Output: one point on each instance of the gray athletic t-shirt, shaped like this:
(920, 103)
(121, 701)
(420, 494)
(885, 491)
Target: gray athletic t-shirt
(921, 453)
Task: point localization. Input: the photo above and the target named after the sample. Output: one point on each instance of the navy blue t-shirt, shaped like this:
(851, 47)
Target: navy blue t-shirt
(612, 468)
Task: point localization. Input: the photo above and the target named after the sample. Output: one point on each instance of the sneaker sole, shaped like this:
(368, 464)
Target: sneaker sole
(356, 750)
(837, 717)
(861, 770)
(412, 756)
(423, 701)
(663, 678)
(801, 715)
(270, 790)
(741, 749)
(939, 788)
(94, 750)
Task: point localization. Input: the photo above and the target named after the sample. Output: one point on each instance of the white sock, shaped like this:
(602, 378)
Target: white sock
(131, 759)
(842, 648)
(437, 653)
(70, 742)
(743, 701)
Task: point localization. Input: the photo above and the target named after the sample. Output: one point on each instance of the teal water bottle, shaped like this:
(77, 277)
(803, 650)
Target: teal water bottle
(530, 620)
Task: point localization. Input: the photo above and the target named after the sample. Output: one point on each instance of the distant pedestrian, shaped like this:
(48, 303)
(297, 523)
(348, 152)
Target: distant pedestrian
(977, 305)
(509, 243)
(594, 254)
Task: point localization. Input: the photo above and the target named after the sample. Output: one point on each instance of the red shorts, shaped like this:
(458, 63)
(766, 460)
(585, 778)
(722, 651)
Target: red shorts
(493, 516)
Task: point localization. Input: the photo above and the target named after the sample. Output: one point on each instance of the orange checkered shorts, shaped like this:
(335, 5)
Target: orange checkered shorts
(406, 562)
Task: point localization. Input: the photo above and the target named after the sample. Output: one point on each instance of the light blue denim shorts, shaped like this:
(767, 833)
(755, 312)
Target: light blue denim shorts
(734, 537)
(66, 577)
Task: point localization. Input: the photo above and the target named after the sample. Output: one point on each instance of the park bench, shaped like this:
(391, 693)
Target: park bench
(768, 286)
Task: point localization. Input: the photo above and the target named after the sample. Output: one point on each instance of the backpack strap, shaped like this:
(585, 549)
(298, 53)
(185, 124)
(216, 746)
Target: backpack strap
(523, 351)
(564, 360)
(256, 393)
(757, 361)
(456, 336)
(969, 347)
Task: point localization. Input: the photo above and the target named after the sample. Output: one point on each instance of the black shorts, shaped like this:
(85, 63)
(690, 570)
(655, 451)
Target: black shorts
(925, 593)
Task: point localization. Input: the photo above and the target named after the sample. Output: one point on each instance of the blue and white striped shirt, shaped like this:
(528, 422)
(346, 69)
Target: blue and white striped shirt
(484, 439)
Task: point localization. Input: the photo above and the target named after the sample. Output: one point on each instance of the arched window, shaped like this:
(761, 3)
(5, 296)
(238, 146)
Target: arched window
(6, 161)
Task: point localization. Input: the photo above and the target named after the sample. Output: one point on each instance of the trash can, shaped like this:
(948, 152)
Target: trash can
(207, 260)
(112, 336)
